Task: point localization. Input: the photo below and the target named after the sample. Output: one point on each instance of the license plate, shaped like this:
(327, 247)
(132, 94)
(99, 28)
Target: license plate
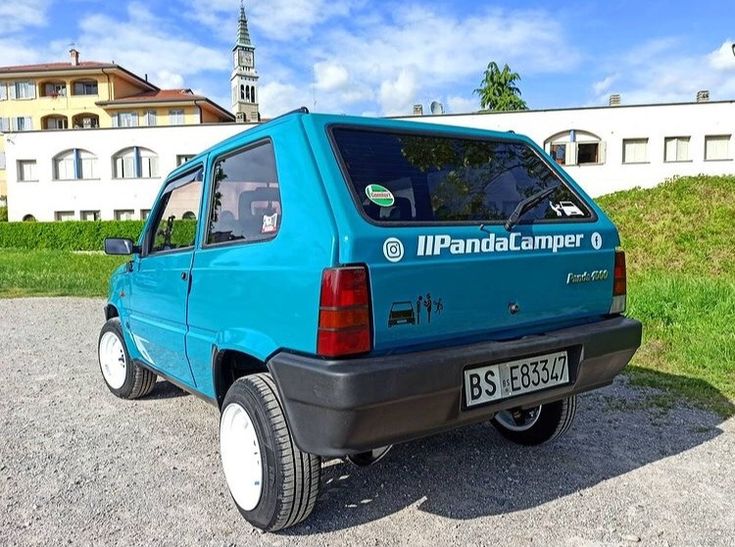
(483, 385)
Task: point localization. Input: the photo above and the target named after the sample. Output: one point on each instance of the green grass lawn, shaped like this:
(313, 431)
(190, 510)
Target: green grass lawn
(54, 273)
(680, 243)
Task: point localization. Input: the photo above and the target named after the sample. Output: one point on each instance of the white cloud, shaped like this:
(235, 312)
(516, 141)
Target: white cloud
(397, 95)
(417, 52)
(144, 43)
(15, 16)
(602, 86)
(723, 58)
(657, 71)
(330, 76)
(281, 98)
(457, 105)
(283, 20)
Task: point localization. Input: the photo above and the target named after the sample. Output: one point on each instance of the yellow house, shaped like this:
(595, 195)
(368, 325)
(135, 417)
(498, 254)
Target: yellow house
(84, 94)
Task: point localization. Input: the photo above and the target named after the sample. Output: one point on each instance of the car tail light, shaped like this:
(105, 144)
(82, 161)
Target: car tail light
(619, 284)
(344, 312)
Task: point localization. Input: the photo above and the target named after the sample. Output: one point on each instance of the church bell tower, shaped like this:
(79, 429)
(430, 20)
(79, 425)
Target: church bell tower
(244, 79)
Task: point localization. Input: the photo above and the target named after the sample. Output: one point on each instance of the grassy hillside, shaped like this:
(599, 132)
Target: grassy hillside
(680, 243)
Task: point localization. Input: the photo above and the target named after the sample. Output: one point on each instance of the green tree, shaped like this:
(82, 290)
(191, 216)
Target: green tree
(499, 90)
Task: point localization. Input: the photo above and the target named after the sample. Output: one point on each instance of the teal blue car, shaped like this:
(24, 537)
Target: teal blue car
(336, 285)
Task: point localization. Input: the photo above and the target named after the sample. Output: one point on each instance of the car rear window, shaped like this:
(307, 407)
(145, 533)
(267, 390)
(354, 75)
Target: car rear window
(402, 177)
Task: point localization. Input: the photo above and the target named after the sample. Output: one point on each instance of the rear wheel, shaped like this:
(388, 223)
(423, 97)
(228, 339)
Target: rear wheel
(273, 483)
(123, 377)
(537, 425)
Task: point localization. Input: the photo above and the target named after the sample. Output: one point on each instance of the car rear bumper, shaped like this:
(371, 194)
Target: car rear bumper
(349, 406)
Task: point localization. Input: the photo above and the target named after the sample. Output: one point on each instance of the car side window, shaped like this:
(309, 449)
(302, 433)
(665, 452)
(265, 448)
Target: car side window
(175, 224)
(245, 200)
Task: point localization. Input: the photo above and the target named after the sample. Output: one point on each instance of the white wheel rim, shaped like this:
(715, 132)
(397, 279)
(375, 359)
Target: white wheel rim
(505, 418)
(112, 360)
(241, 460)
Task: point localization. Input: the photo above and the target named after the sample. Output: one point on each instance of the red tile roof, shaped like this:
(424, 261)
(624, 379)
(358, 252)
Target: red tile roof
(55, 66)
(162, 95)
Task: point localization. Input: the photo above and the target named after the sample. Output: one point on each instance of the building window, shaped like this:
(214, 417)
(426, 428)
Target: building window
(63, 216)
(717, 147)
(85, 87)
(21, 123)
(86, 121)
(54, 122)
(181, 159)
(635, 150)
(150, 118)
(75, 164)
(23, 90)
(29, 218)
(54, 89)
(3, 91)
(124, 214)
(144, 214)
(89, 215)
(588, 152)
(559, 153)
(27, 171)
(126, 119)
(3, 159)
(676, 149)
(574, 147)
(135, 163)
(176, 117)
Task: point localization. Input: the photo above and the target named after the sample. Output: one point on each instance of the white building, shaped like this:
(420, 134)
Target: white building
(116, 173)
(98, 174)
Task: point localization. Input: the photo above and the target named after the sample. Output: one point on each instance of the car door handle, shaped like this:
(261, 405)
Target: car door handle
(184, 276)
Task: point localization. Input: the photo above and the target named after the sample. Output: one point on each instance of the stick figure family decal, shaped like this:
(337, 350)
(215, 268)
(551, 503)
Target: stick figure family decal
(416, 312)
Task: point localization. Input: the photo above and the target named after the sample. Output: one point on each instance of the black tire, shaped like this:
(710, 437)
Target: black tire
(139, 381)
(291, 478)
(554, 420)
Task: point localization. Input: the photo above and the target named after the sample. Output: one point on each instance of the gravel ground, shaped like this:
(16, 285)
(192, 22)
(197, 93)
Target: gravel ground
(78, 466)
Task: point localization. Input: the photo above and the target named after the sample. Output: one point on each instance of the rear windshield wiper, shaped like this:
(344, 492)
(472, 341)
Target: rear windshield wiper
(526, 205)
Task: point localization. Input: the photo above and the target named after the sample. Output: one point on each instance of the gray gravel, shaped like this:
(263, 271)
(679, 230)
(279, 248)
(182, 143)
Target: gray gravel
(78, 466)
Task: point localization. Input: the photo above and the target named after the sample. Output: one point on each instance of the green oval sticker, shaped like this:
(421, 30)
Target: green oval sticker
(379, 195)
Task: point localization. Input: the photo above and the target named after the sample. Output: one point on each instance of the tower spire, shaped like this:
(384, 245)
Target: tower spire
(243, 35)
(244, 78)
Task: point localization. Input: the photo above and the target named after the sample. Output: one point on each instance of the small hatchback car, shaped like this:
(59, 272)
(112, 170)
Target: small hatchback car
(336, 285)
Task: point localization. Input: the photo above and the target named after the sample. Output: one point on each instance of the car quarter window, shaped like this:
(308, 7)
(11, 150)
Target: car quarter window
(176, 218)
(245, 200)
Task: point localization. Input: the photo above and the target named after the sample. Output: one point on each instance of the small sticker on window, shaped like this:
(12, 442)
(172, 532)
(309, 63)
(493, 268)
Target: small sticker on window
(379, 195)
(270, 223)
(566, 209)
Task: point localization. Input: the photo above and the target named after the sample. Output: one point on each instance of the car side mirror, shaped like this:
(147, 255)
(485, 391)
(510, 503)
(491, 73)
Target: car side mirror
(120, 246)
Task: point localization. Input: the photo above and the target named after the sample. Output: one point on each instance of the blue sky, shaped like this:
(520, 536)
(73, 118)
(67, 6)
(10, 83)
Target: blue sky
(381, 57)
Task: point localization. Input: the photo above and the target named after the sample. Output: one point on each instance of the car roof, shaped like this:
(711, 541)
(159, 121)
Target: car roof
(321, 121)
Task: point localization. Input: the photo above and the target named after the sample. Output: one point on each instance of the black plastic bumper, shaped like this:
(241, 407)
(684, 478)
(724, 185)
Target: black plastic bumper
(348, 406)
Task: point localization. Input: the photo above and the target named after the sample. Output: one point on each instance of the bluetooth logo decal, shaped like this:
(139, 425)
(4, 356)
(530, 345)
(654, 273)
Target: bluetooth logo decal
(393, 249)
(596, 241)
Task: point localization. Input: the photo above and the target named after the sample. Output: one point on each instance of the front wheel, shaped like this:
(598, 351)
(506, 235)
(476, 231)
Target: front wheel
(537, 425)
(123, 377)
(273, 483)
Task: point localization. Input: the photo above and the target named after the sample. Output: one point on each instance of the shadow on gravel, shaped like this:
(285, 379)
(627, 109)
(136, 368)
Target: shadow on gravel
(473, 472)
(164, 390)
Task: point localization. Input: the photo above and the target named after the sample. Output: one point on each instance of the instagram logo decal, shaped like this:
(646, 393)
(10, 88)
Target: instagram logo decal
(393, 249)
